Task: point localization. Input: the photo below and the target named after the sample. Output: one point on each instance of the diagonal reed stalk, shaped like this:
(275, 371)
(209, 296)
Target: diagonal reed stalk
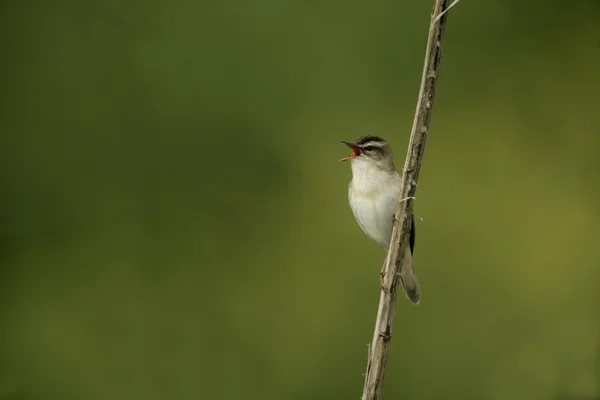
(402, 225)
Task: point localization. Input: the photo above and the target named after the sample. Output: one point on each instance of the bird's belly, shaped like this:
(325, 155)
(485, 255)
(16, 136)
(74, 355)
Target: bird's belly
(375, 217)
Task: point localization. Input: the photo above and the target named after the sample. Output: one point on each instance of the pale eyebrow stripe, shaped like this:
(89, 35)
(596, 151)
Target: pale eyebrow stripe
(377, 145)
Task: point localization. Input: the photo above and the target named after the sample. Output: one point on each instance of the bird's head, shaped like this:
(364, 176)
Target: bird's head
(370, 152)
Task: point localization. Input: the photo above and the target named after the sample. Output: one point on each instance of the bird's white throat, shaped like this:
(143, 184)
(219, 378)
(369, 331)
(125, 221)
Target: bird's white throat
(368, 178)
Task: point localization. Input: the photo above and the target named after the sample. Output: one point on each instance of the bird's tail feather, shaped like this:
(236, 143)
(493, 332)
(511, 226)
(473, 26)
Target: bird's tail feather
(409, 281)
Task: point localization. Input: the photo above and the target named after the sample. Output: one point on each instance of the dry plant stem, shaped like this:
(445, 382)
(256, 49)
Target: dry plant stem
(402, 224)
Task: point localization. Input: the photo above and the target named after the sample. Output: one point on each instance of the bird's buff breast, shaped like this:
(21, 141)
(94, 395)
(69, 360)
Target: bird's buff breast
(374, 210)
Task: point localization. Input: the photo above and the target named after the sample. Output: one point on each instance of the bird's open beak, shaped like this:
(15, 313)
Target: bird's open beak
(355, 151)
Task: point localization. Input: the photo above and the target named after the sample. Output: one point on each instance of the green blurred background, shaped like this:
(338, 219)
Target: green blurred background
(174, 225)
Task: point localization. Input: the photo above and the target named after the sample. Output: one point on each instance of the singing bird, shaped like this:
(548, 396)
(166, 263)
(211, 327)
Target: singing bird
(373, 193)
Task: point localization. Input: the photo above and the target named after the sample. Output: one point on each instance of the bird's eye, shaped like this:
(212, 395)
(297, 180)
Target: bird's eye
(369, 148)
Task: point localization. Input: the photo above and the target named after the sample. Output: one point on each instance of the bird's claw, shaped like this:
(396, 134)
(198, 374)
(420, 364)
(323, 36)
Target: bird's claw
(383, 287)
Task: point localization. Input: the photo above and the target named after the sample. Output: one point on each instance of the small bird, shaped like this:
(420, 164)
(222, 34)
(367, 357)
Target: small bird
(373, 193)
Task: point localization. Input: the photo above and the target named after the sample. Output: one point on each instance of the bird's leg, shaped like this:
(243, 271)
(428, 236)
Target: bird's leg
(382, 274)
(394, 219)
(383, 288)
(382, 277)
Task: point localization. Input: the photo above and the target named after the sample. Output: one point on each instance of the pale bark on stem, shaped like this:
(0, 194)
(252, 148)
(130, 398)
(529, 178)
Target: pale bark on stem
(374, 376)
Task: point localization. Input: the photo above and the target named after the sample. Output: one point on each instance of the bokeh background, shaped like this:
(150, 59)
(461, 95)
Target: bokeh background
(174, 224)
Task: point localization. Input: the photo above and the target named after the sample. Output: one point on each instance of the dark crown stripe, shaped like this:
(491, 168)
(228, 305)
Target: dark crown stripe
(366, 139)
